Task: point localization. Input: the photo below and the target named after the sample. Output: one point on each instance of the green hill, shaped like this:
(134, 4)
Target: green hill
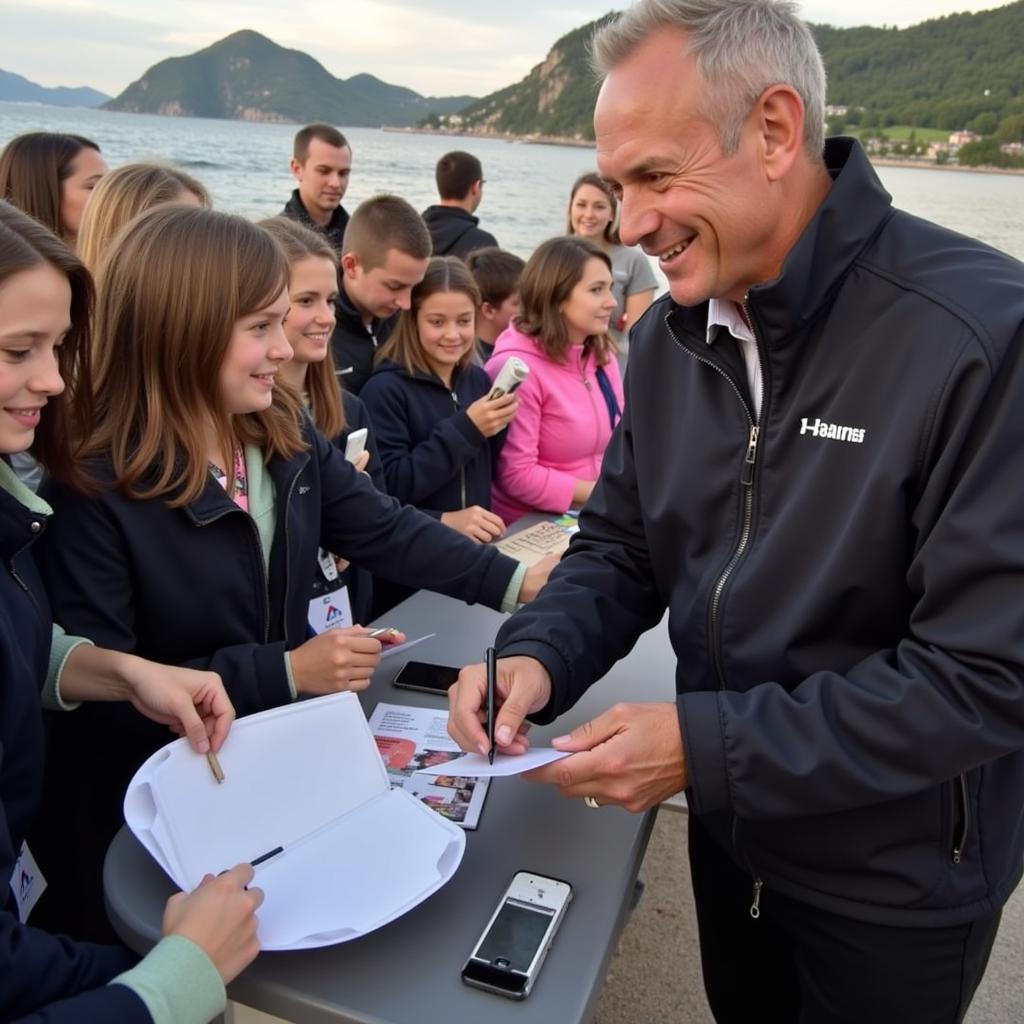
(944, 73)
(247, 76)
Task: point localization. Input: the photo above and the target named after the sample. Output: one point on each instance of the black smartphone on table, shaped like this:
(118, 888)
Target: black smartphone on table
(426, 677)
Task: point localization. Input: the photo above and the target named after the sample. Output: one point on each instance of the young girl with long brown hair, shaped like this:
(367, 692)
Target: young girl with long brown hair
(215, 493)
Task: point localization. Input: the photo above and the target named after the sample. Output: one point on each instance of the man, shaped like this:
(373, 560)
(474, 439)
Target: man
(384, 256)
(322, 165)
(820, 472)
(453, 228)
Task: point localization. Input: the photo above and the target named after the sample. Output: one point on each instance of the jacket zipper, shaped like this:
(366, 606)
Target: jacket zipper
(594, 409)
(287, 556)
(747, 481)
(462, 468)
(961, 817)
(259, 552)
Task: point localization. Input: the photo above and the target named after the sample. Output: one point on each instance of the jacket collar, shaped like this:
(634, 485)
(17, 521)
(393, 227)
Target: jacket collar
(20, 511)
(853, 212)
(348, 312)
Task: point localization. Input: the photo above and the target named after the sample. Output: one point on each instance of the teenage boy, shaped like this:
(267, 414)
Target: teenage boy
(321, 164)
(453, 228)
(384, 256)
(497, 274)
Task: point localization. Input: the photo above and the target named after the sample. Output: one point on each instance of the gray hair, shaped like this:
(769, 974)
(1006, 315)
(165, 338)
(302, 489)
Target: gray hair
(742, 47)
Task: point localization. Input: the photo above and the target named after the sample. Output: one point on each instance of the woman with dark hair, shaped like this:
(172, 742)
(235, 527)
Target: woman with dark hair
(50, 176)
(45, 298)
(593, 214)
(572, 399)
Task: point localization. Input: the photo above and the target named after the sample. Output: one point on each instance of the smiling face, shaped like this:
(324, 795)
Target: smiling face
(710, 218)
(312, 291)
(588, 309)
(590, 213)
(446, 325)
(86, 170)
(35, 309)
(323, 178)
(257, 349)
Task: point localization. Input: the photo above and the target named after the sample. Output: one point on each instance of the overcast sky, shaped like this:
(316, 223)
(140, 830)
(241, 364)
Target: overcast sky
(432, 46)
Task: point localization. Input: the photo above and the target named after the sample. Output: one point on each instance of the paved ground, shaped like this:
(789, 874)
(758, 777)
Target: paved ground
(655, 976)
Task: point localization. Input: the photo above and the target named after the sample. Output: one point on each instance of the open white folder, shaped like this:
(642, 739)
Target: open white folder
(307, 778)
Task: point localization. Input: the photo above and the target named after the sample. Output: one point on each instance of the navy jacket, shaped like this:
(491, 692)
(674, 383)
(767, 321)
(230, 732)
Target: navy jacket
(454, 232)
(354, 344)
(432, 453)
(40, 974)
(333, 231)
(844, 584)
(188, 586)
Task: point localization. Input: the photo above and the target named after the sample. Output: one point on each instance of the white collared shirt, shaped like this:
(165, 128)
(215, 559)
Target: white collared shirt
(724, 313)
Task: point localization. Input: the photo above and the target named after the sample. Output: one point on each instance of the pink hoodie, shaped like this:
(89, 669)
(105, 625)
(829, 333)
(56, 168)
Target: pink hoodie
(560, 432)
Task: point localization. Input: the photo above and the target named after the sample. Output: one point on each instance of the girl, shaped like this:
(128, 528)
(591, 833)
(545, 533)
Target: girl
(125, 193)
(45, 295)
(438, 431)
(592, 214)
(215, 492)
(312, 293)
(572, 399)
(51, 177)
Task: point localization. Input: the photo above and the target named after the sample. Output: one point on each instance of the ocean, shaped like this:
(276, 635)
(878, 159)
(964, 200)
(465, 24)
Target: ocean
(245, 166)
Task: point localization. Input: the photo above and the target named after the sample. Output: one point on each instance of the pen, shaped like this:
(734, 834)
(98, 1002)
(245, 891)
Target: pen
(492, 679)
(381, 630)
(215, 768)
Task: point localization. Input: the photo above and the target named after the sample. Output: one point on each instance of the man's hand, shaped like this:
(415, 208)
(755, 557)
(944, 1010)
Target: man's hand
(536, 576)
(340, 659)
(219, 917)
(631, 756)
(523, 686)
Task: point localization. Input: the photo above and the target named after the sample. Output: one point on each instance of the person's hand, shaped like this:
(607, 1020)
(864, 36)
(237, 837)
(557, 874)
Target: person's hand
(476, 523)
(631, 756)
(340, 659)
(523, 686)
(581, 492)
(536, 576)
(363, 461)
(192, 703)
(219, 917)
(491, 415)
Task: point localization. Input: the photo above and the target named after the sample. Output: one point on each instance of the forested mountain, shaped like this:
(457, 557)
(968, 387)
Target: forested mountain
(945, 73)
(247, 76)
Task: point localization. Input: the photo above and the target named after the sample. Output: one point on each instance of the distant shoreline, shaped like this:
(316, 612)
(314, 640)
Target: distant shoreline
(556, 140)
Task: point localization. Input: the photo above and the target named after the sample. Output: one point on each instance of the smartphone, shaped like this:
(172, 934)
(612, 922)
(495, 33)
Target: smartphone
(508, 956)
(355, 444)
(421, 675)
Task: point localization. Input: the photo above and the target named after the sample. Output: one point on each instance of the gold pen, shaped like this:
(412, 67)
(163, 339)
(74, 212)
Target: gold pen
(381, 630)
(215, 768)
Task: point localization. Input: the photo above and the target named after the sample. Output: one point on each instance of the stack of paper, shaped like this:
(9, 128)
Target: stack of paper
(307, 778)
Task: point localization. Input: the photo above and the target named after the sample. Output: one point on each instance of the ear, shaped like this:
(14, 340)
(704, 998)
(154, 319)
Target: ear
(780, 121)
(350, 266)
(487, 310)
(296, 169)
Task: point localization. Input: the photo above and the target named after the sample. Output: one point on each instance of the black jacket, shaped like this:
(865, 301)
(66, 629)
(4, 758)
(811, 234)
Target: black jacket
(432, 453)
(188, 586)
(38, 970)
(354, 344)
(844, 588)
(454, 232)
(334, 231)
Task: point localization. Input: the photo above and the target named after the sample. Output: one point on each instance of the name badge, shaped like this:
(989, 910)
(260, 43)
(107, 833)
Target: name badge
(330, 611)
(27, 883)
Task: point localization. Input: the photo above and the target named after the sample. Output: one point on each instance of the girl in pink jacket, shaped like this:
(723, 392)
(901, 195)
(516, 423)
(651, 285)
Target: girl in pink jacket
(572, 399)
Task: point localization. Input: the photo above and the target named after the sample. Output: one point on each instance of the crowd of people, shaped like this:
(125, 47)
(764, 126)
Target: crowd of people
(179, 390)
(814, 464)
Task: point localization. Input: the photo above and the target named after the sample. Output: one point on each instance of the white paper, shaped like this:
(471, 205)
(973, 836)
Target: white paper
(308, 778)
(408, 737)
(504, 764)
(551, 536)
(390, 649)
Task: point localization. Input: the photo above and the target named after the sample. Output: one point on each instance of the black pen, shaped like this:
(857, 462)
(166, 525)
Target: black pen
(492, 680)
